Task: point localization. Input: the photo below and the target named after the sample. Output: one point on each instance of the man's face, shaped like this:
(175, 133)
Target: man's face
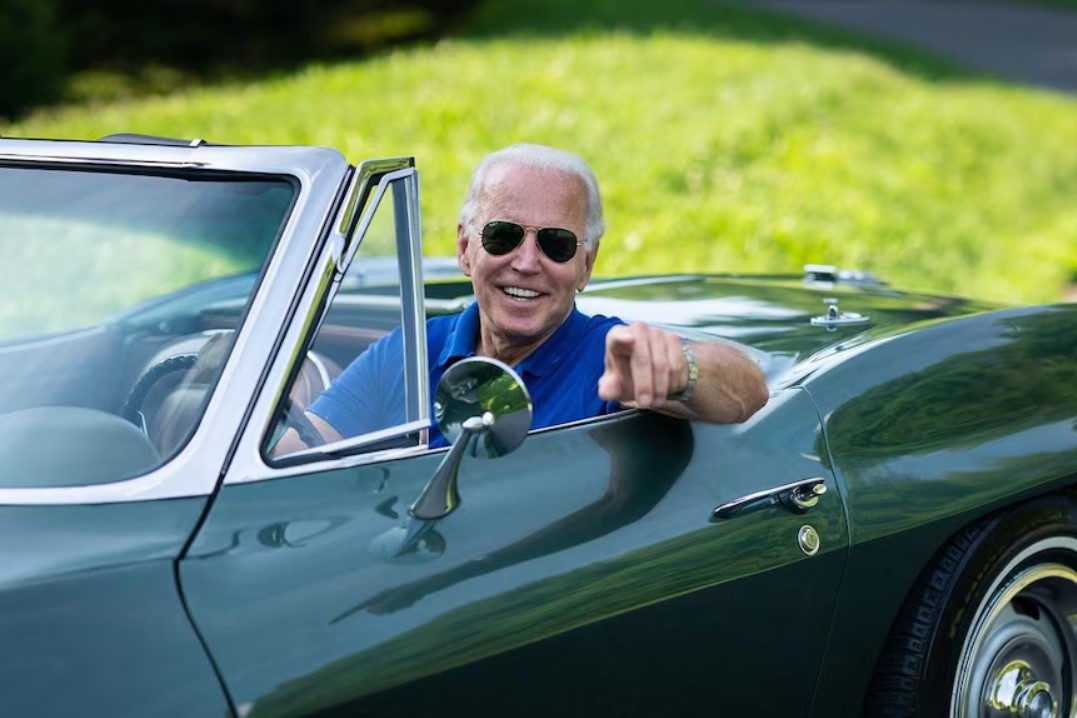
(524, 296)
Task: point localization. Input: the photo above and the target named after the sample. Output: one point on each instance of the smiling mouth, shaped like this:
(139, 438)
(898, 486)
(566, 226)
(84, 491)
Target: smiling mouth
(520, 293)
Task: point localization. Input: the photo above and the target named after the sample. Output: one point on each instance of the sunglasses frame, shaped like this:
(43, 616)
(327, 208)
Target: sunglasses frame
(542, 236)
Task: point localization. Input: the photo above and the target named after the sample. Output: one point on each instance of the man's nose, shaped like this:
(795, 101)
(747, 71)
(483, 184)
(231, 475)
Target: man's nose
(527, 257)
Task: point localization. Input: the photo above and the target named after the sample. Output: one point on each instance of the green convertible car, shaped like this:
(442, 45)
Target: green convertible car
(893, 534)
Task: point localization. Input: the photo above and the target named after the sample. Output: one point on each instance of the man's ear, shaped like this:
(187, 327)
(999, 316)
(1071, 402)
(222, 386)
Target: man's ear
(462, 258)
(588, 264)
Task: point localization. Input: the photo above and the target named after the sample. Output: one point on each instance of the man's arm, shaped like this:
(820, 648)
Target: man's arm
(290, 442)
(645, 365)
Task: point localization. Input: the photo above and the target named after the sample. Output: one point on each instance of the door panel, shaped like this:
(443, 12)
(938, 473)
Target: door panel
(582, 566)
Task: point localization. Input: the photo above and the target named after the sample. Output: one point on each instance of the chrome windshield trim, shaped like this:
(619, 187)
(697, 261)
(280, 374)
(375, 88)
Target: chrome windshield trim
(195, 471)
(160, 164)
(277, 160)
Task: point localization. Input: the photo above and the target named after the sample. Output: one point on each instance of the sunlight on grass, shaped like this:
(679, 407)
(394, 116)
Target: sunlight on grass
(715, 151)
(56, 281)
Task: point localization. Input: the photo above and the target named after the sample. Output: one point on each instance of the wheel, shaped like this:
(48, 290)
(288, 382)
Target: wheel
(990, 629)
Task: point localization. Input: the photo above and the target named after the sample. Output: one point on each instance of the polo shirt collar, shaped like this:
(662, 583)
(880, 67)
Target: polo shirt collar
(464, 337)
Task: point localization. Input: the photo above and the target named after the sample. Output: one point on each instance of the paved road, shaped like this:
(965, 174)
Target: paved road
(1032, 45)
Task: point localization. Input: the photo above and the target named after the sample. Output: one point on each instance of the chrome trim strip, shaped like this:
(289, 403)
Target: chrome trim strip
(357, 442)
(367, 217)
(112, 162)
(341, 247)
(413, 312)
(196, 469)
(367, 170)
(262, 472)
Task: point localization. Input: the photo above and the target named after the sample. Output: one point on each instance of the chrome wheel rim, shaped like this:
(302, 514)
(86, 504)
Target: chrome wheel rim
(1018, 658)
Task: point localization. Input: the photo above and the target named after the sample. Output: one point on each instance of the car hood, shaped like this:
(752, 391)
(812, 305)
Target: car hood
(772, 314)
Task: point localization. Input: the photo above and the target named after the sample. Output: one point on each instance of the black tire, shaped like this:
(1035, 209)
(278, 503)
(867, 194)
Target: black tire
(984, 632)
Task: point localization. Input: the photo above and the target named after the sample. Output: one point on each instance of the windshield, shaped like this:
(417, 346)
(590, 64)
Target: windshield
(80, 246)
(105, 278)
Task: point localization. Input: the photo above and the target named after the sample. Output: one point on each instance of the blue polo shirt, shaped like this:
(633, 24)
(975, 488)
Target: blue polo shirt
(561, 375)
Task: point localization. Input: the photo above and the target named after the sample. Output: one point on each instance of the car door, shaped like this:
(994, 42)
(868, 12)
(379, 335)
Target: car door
(585, 573)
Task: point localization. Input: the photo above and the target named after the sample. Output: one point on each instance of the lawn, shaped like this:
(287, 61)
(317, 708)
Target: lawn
(725, 139)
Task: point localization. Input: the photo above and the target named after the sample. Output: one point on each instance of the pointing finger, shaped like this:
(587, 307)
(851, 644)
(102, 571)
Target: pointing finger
(642, 367)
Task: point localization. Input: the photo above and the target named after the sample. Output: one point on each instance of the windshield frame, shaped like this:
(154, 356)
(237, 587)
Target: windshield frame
(320, 176)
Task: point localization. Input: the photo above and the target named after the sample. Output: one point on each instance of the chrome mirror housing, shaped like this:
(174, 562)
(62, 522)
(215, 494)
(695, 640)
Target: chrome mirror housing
(482, 406)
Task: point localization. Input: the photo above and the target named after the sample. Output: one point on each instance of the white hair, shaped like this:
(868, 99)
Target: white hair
(546, 158)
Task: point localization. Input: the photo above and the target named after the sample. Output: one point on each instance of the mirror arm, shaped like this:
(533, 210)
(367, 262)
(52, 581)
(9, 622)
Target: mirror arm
(440, 497)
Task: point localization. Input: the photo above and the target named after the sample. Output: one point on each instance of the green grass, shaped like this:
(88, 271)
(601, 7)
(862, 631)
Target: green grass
(725, 139)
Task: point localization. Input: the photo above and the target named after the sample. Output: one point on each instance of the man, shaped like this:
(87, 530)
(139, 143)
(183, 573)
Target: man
(528, 237)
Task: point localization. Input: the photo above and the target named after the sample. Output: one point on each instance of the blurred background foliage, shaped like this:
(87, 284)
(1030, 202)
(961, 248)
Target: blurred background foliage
(726, 138)
(32, 56)
(121, 48)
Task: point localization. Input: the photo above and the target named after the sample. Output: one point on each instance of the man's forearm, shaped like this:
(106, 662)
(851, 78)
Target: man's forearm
(730, 387)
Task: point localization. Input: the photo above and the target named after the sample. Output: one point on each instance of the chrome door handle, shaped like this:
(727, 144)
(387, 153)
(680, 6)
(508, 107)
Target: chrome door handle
(797, 497)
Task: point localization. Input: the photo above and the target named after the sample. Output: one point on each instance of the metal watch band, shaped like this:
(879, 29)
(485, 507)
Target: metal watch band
(693, 377)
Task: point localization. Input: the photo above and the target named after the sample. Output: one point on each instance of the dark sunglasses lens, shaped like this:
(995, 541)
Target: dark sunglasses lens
(558, 244)
(501, 237)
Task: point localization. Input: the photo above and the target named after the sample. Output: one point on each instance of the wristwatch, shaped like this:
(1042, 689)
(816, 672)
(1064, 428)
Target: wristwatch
(693, 376)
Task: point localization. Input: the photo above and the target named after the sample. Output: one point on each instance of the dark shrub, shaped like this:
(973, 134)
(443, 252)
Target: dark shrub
(31, 55)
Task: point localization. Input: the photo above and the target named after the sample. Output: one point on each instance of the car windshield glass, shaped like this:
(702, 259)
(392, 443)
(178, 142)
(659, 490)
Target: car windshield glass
(119, 295)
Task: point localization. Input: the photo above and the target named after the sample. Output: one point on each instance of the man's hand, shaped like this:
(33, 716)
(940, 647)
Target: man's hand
(291, 442)
(645, 365)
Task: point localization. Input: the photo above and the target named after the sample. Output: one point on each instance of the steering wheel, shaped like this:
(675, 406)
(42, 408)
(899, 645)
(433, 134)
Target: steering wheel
(132, 408)
(296, 418)
(167, 400)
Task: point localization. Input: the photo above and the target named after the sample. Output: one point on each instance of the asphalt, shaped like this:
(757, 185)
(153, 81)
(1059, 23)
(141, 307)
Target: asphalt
(1027, 44)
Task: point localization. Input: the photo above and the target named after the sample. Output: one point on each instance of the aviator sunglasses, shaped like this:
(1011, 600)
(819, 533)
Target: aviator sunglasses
(499, 237)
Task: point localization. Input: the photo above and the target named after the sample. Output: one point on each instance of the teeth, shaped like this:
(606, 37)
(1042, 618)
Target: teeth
(519, 292)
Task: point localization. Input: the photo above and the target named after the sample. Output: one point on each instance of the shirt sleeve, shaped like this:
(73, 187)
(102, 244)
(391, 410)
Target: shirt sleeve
(369, 393)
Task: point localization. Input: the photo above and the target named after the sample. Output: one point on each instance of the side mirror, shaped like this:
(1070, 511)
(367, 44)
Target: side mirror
(482, 406)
